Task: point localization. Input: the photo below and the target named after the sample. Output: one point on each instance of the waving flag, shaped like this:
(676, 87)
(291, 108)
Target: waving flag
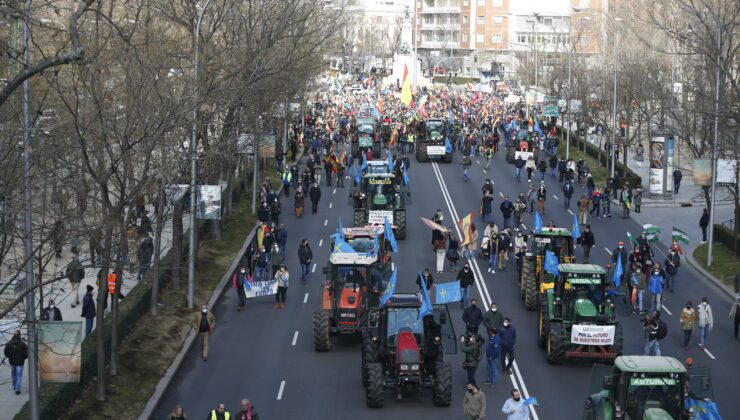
(703, 410)
(390, 162)
(652, 232)
(448, 145)
(363, 166)
(465, 229)
(618, 271)
(342, 247)
(405, 175)
(390, 289)
(374, 251)
(390, 236)
(448, 292)
(551, 264)
(576, 232)
(406, 97)
(357, 176)
(426, 306)
(679, 235)
(633, 242)
(531, 401)
(537, 127)
(341, 229)
(537, 222)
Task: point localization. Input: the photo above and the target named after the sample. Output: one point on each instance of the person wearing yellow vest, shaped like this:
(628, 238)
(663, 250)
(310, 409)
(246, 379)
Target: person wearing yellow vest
(220, 413)
(286, 177)
(203, 323)
(410, 141)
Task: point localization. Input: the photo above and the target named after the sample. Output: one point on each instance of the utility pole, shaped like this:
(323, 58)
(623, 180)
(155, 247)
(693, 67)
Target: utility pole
(614, 102)
(570, 85)
(33, 385)
(714, 141)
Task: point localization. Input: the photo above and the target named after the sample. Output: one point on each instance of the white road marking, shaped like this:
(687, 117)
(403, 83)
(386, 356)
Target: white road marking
(314, 268)
(321, 242)
(280, 391)
(393, 266)
(335, 191)
(524, 226)
(555, 196)
(295, 338)
(571, 212)
(305, 298)
(666, 310)
(607, 251)
(326, 221)
(331, 204)
(709, 354)
(500, 193)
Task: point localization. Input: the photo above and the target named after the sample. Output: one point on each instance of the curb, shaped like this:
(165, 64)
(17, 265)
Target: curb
(165, 381)
(721, 286)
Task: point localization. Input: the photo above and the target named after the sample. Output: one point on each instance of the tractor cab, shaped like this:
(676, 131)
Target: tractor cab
(647, 387)
(556, 240)
(381, 196)
(431, 142)
(365, 138)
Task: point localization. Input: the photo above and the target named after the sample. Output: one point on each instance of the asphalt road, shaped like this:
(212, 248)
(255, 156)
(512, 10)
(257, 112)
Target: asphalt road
(267, 355)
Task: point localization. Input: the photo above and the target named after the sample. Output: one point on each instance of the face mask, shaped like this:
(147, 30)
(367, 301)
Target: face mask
(688, 306)
(506, 324)
(244, 271)
(204, 310)
(657, 271)
(517, 398)
(494, 309)
(466, 269)
(470, 390)
(620, 247)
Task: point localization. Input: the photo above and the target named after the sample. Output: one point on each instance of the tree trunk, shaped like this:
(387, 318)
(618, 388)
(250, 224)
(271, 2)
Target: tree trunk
(707, 198)
(157, 248)
(177, 238)
(100, 312)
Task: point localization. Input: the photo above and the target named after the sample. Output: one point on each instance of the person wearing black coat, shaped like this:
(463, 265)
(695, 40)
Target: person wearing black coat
(305, 256)
(703, 223)
(16, 351)
(428, 279)
(51, 313)
(88, 310)
(314, 193)
(263, 213)
(473, 317)
(588, 241)
(466, 279)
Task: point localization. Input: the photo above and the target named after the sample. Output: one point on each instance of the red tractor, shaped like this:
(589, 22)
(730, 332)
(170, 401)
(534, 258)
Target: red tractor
(404, 352)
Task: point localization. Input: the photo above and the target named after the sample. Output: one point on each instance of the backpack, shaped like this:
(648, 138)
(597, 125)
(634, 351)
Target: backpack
(662, 330)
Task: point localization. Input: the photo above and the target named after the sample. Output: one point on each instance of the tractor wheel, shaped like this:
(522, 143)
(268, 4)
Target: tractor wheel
(556, 343)
(525, 273)
(421, 153)
(399, 219)
(369, 355)
(543, 322)
(510, 154)
(359, 218)
(442, 392)
(375, 390)
(618, 340)
(530, 291)
(321, 330)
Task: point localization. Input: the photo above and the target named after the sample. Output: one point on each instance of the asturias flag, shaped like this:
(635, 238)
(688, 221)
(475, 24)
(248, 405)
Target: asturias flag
(551, 263)
(426, 305)
(390, 236)
(537, 222)
(448, 292)
(576, 232)
(618, 271)
(390, 289)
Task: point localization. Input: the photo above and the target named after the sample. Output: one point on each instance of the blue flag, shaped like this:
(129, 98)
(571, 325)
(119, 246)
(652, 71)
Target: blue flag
(357, 176)
(390, 236)
(703, 410)
(576, 232)
(376, 113)
(374, 251)
(247, 286)
(426, 306)
(341, 229)
(448, 145)
(537, 126)
(551, 263)
(537, 222)
(364, 163)
(452, 120)
(448, 292)
(405, 175)
(618, 271)
(531, 401)
(389, 290)
(342, 247)
(390, 161)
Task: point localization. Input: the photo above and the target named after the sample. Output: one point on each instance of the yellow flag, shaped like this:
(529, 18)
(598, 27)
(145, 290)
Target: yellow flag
(406, 87)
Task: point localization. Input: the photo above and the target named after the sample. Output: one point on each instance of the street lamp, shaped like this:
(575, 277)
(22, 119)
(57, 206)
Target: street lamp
(614, 21)
(193, 160)
(714, 141)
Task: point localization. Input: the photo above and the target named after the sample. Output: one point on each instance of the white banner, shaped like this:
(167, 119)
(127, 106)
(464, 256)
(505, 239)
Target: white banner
(261, 288)
(377, 217)
(435, 150)
(524, 155)
(726, 171)
(592, 335)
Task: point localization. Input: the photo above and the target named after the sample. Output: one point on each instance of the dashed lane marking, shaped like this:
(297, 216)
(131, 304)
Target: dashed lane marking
(331, 204)
(709, 354)
(500, 193)
(555, 197)
(314, 268)
(326, 221)
(335, 191)
(524, 226)
(321, 242)
(280, 391)
(305, 298)
(666, 309)
(607, 251)
(570, 211)
(295, 339)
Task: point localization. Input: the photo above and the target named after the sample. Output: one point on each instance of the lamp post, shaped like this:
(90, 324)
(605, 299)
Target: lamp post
(193, 164)
(714, 141)
(570, 85)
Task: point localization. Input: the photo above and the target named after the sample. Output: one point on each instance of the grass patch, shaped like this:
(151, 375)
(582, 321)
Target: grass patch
(153, 343)
(724, 265)
(598, 170)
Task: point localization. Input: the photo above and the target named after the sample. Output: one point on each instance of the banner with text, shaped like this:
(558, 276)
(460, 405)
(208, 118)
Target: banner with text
(592, 335)
(261, 288)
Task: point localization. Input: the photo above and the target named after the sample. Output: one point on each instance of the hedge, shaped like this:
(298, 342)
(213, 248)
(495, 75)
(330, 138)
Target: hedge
(593, 151)
(56, 398)
(726, 236)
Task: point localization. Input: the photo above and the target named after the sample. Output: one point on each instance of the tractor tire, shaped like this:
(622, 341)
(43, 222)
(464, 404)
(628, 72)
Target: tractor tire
(399, 219)
(359, 218)
(530, 291)
(321, 330)
(442, 391)
(510, 154)
(375, 389)
(421, 153)
(618, 340)
(525, 273)
(543, 322)
(369, 355)
(556, 343)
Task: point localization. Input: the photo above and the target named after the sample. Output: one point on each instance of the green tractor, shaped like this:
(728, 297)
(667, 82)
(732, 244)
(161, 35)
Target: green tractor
(646, 388)
(365, 138)
(516, 146)
(431, 141)
(555, 240)
(577, 319)
(381, 196)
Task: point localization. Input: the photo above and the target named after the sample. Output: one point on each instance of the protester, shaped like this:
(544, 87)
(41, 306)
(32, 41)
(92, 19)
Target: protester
(706, 321)
(75, 273)
(204, 323)
(238, 281)
(16, 351)
(493, 353)
(88, 310)
(472, 317)
(305, 256)
(587, 241)
(474, 402)
(735, 314)
(672, 262)
(655, 286)
(655, 330)
(281, 276)
(314, 193)
(703, 223)
(508, 340)
(246, 411)
(453, 252)
(466, 279)
(219, 413)
(471, 346)
(514, 408)
(178, 413)
(688, 320)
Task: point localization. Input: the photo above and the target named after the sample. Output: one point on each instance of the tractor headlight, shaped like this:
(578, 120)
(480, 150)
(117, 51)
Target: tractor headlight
(404, 367)
(415, 366)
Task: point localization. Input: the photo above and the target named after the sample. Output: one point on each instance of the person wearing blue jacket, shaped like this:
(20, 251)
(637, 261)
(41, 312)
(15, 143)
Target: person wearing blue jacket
(508, 340)
(493, 352)
(655, 286)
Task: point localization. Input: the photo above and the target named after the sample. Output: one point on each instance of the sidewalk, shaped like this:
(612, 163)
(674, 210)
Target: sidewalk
(62, 296)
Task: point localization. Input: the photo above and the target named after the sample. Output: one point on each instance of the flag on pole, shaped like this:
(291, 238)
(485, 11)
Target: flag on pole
(390, 289)
(390, 236)
(551, 264)
(448, 292)
(426, 306)
(618, 271)
(531, 401)
(633, 242)
(537, 222)
(363, 166)
(537, 127)
(342, 247)
(390, 161)
(703, 410)
(357, 176)
(406, 87)
(405, 175)
(465, 229)
(679, 235)
(652, 232)
(341, 229)
(448, 145)
(576, 231)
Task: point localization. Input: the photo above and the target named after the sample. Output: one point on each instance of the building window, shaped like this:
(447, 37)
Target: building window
(465, 2)
(465, 38)
(496, 38)
(497, 20)
(479, 38)
(465, 19)
(498, 3)
(584, 41)
(584, 4)
(521, 39)
(481, 20)
(547, 21)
